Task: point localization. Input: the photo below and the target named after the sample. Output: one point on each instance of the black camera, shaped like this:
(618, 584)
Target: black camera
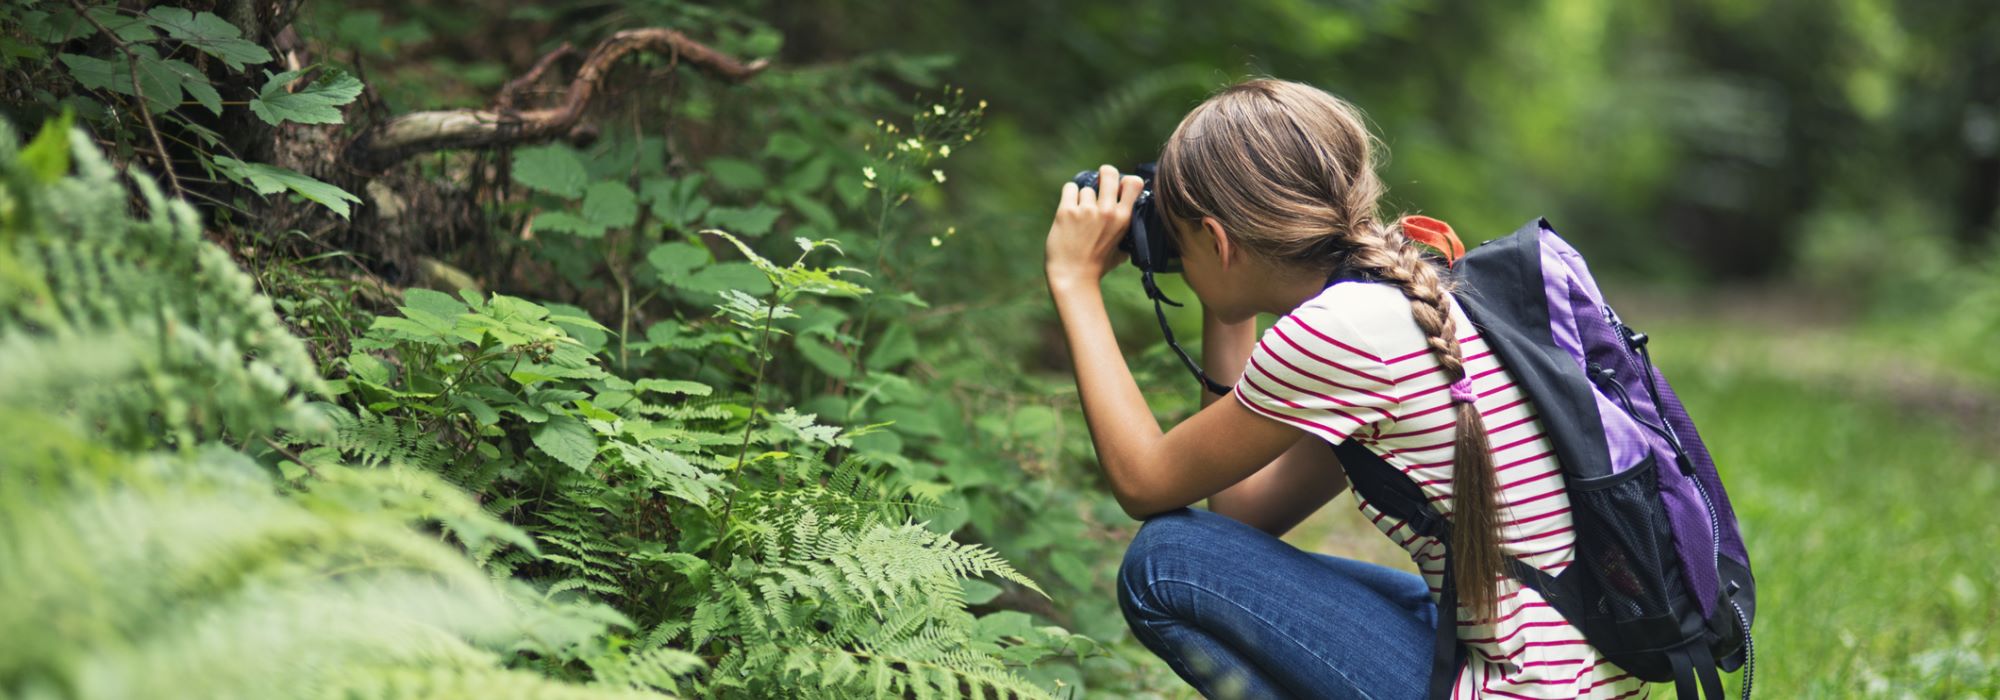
(1151, 244)
(1148, 239)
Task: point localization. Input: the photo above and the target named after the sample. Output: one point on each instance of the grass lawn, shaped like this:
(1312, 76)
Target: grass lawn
(1870, 503)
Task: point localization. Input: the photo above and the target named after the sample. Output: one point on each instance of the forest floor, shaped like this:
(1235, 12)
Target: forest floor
(1863, 468)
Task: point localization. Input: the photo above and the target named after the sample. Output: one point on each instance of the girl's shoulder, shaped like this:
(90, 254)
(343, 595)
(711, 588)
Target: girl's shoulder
(1372, 317)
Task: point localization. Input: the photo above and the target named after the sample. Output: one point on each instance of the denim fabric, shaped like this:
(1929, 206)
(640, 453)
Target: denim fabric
(1238, 613)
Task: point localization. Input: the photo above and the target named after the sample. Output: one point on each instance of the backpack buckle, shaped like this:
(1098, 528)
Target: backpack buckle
(1427, 522)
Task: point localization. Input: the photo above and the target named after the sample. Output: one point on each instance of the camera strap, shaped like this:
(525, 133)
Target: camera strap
(1153, 292)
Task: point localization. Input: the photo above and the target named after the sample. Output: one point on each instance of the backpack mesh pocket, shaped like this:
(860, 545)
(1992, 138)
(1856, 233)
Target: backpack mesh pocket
(1624, 542)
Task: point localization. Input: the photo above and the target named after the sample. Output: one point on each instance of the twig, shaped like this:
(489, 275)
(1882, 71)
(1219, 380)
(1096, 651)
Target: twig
(138, 94)
(505, 100)
(389, 143)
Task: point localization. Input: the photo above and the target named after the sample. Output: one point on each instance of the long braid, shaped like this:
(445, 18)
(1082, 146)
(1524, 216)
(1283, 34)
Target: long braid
(1475, 541)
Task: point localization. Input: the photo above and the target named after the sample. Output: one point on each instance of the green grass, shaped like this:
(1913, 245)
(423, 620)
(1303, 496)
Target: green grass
(1868, 506)
(1868, 514)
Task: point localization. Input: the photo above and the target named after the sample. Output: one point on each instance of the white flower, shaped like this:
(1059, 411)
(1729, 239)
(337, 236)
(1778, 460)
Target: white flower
(939, 174)
(938, 110)
(935, 242)
(868, 171)
(944, 150)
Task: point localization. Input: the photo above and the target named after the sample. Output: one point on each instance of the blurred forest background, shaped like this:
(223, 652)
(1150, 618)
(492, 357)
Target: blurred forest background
(587, 349)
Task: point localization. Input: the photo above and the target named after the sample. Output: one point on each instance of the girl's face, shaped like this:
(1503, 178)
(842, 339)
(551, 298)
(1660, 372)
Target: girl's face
(1215, 270)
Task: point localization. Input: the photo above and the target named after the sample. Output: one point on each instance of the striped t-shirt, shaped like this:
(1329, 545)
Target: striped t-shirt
(1351, 362)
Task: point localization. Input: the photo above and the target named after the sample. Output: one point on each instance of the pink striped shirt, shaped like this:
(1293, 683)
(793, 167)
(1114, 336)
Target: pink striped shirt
(1351, 362)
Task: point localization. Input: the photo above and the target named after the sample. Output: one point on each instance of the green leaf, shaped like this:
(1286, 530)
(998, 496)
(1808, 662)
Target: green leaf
(568, 440)
(979, 592)
(209, 33)
(47, 157)
(160, 81)
(610, 204)
(830, 361)
(314, 104)
(735, 173)
(896, 345)
(788, 146)
(815, 213)
(674, 386)
(554, 169)
(754, 221)
(565, 221)
(674, 260)
(436, 303)
(677, 200)
(270, 179)
(96, 73)
(734, 274)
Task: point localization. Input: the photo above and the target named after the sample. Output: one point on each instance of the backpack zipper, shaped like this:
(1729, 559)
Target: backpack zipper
(1749, 649)
(1632, 339)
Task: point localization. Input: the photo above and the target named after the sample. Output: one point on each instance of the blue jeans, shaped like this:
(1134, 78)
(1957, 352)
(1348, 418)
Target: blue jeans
(1239, 613)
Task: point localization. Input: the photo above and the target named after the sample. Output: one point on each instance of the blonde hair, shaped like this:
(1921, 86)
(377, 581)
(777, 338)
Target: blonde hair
(1289, 172)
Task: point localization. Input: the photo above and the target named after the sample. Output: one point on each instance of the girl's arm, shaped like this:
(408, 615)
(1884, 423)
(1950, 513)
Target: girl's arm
(1150, 472)
(1276, 498)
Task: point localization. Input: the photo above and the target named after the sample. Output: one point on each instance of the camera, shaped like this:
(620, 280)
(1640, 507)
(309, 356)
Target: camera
(1151, 244)
(1148, 239)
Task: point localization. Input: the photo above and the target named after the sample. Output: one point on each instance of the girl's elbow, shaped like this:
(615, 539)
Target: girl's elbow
(1139, 503)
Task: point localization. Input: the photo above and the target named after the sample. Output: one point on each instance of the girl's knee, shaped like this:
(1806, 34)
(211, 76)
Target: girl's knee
(1184, 536)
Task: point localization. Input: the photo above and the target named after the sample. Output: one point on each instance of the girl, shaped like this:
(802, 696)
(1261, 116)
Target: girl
(1269, 188)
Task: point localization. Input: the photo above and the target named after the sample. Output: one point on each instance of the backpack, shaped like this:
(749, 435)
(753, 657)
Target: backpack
(1661, 583)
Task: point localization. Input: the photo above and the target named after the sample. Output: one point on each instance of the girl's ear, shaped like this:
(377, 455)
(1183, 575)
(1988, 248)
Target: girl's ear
(1218, 239)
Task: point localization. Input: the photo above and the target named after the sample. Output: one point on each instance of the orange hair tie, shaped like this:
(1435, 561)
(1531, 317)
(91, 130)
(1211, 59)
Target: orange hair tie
(1433, 233)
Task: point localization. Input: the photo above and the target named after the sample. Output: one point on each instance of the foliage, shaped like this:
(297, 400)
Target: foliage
(115, 57)
(725, 532)
(143, 556)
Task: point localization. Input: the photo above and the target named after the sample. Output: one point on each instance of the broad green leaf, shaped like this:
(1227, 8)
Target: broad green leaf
(47, 157)
(96, 73)
(754, 221)
(674, 386)
(675, 200)
(830, 361)
(209, 33)
(270, 179)
(64, 24)
(434, 302)
(734, 274)
(568, 440)
(568, 222)
(735, 173)
(812, 211)
(786, 145)
(675, 259)
(554, 169)
(610, 204)
(160, 81)
(811, 176)
(896, 345)
(314, 104)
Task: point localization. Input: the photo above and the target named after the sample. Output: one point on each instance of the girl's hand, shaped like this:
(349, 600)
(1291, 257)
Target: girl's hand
(1083, 241)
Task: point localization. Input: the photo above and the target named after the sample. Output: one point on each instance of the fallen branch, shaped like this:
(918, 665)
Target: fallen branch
(386, 144)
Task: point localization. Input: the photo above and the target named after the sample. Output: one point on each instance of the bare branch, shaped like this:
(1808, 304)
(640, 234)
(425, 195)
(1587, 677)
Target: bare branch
(386, 144)
(512, 90)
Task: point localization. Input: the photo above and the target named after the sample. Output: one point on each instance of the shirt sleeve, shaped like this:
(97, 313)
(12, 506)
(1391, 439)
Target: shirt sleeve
(1314, 372)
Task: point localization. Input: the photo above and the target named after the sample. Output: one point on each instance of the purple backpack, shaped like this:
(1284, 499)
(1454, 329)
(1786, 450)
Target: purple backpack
(1661, 585)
